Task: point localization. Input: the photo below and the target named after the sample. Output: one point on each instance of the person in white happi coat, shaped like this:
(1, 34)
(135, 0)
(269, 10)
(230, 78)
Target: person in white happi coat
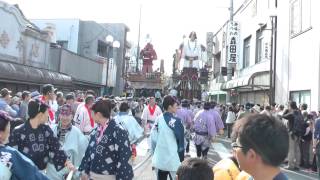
(73, 142)
(83, 117)
(150, 113)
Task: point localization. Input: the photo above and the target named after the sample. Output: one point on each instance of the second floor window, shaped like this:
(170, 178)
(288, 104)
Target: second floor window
(300, 16)
(259, 45)
(246, 52)
(102, 49)
(63, 44)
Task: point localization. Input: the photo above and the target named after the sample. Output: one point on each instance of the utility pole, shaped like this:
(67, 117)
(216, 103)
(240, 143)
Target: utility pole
(138, 47)
(229, 65)
(273, 59)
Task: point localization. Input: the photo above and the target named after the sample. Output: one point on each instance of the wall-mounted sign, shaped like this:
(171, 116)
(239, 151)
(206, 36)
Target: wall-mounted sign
(233, 42)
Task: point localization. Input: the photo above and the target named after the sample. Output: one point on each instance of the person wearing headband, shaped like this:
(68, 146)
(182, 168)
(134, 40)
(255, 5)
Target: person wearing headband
(73, 142)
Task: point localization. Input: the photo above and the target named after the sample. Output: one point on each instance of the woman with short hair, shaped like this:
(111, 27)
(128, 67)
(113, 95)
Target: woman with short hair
(168, 141)
(107, 156)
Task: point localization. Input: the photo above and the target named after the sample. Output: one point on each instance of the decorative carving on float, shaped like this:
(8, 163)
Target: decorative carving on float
(4, 39)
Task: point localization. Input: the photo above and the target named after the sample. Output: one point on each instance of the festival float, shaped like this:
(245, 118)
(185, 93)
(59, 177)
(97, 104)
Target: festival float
(190, 73)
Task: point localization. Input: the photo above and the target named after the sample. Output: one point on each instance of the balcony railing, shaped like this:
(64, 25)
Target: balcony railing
(151, 77)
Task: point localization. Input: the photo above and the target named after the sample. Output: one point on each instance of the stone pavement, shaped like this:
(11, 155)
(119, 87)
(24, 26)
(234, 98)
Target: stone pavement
(142, 164)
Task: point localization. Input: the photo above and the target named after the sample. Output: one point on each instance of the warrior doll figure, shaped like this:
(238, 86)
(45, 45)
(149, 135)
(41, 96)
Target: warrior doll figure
(191, 52)
(148, 54)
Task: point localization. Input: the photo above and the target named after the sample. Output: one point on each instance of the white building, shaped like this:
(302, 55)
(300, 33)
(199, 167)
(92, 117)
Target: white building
(89, 39)
(65, 31)
(298, 54)
(250, 82)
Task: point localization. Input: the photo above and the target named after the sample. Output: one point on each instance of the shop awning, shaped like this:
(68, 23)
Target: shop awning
(255, 80)
(27, 74)
(217, 92)
(216, 88)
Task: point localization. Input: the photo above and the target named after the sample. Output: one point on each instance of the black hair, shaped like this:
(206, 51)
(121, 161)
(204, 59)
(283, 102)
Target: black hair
(213, 104)
(273, 104)
(88, 99)
(207, 106)
(230, 108)
(261, 108)
(103, 106)
(241, 106)
(47, 88)
(268, 108)
(194, 169)
(124, 106)
(4, 120)
(304, 106)
(185, 103)
(35, 107)
(195, 34)
(168, 101)
(281, 107)
(25, 94)
(70, 96)
(266, 135)
(293, 105)
(309, 116)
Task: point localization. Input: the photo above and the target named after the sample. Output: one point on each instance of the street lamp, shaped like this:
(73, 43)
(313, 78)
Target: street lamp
(111, 43)
(109, 39)
(116, 44)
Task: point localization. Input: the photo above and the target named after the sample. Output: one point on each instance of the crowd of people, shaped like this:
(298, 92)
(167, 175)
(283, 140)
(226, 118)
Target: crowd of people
(301, 125)
(50, 134)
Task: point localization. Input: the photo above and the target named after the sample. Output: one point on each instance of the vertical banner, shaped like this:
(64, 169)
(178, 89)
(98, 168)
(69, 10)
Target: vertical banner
(233, 42)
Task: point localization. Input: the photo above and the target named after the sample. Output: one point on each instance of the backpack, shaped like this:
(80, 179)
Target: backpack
(299, 126)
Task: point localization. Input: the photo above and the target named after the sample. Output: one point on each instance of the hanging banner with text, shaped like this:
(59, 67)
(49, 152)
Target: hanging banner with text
(233, 42)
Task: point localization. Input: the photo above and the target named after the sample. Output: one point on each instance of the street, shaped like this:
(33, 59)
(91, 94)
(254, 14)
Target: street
(221, 149)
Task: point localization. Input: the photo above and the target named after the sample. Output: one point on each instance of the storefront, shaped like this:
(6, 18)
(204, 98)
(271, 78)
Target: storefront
(253, 88)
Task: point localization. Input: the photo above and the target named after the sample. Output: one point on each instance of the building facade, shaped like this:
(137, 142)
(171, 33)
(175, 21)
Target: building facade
(298, 54)
(24, 53)
(251, 79)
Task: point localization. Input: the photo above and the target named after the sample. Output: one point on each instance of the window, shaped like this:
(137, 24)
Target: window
(301, 97)
(102, 49)
(259, 45)
(300, 16)
(246, 52)
(63, 44)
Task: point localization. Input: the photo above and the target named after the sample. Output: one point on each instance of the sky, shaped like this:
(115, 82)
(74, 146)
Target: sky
(165, 20)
